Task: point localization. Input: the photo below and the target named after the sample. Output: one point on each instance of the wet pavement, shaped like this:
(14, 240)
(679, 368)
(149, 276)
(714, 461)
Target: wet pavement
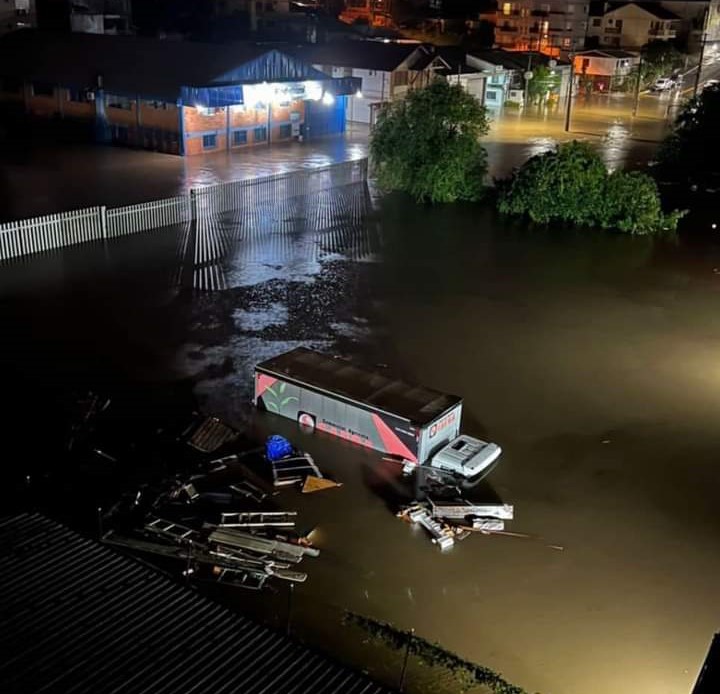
(591, 358)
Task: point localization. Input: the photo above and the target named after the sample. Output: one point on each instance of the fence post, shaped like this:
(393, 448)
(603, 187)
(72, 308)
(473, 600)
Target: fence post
(103, 222)
(193, 204)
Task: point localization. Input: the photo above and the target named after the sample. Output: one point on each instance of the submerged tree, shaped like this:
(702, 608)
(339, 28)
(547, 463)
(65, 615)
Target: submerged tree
(571, 184)
(428, 145)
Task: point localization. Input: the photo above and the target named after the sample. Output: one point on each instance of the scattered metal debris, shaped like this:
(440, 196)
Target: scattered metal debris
(209, 434)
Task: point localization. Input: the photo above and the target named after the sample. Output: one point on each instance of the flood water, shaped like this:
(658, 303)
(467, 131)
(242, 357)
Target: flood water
(591, 358)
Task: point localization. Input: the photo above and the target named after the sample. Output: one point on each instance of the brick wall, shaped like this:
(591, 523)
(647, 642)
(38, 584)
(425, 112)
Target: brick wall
(165, 118)
(81, 110)
(122, 116)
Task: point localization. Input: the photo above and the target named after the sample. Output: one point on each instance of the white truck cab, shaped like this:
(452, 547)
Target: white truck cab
(466, 456)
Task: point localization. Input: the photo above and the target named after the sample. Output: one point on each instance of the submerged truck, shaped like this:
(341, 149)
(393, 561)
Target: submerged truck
(366, 406)
(371, 408)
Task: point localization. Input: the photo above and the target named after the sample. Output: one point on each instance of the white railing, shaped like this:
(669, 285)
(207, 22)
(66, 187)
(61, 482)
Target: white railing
(28, 236)
(147, 215)
(38, 234)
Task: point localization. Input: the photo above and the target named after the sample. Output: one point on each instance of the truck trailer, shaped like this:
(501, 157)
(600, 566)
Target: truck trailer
(363, 405)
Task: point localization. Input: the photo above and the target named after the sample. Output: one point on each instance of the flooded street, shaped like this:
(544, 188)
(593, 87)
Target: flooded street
(592, 359)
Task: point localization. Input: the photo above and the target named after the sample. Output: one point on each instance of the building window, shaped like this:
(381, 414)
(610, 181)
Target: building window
(209, 141)
(239, 137)
(206, 110)
(285, 131)
(490, 96)
(506, 8)
(496, 79)
(597, 22)
(566, 43)
(371, 73)
(43, 89)
(160, 105)
(585, 64)
(115, 101)
(260, 134)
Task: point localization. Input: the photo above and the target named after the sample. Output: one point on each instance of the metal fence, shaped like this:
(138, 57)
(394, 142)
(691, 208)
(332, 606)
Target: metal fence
(252, 197)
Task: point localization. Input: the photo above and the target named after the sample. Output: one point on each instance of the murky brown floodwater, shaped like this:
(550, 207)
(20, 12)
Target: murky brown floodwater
(592, 359)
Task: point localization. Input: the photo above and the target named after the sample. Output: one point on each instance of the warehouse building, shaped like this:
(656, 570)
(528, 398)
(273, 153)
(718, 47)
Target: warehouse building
(176, 97)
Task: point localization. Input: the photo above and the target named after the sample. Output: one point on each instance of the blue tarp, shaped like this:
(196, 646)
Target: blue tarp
(277, 447)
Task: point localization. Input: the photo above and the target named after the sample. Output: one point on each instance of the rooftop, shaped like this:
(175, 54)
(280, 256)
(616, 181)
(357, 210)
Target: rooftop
(135, 65)
(515, 60)
(377, 389)
(617, 53)
(599, 9)
(78, 616)
(362, 55)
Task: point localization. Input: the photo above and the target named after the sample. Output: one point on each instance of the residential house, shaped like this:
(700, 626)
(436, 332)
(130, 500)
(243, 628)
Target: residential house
(470, 78)
(631, 25)
(374, 13)
(603, 69)
(552, 27)
(86, 16)
(387, 70)
(505, 73)
(171, 96)
(16, 14)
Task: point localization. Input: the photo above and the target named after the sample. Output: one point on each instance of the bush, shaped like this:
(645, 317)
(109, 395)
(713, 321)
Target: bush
(571, 184)
(428, 145)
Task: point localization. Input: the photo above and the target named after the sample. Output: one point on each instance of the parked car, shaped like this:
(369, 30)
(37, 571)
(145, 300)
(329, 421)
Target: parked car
(662, 84)
(711, 83)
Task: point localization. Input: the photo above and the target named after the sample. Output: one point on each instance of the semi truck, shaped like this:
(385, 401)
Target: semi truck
(367, 406)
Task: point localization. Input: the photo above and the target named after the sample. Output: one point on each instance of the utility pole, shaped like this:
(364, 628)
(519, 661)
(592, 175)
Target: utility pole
(703, 41)
(528, 76)
(568, 107)
(637, 87)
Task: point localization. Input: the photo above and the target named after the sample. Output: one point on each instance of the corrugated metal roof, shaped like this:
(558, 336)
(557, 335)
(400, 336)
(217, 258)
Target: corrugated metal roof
(376, 389)
(78, 617)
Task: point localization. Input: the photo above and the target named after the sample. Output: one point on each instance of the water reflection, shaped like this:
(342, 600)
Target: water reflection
(286, 239)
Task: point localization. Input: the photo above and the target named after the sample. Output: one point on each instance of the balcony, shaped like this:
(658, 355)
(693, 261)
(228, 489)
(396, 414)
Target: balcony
(663, 33)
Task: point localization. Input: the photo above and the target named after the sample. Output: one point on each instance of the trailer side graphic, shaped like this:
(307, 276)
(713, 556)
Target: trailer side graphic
(363, 406)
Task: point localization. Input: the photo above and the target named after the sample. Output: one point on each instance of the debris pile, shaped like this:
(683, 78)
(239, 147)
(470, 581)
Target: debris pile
(211, 507)
(448, 521)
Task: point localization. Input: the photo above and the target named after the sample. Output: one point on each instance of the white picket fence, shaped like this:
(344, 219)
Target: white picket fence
(147, 215)
(29, 236)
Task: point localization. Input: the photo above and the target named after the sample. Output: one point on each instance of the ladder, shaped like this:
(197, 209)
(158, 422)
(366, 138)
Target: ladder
(258, 519)
(172, 531)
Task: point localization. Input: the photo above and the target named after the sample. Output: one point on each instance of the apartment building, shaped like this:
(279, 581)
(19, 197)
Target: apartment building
(552, 27)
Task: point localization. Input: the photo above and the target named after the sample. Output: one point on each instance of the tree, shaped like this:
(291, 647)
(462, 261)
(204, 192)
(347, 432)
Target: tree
(428, 145)
(659, 59)
(692, 151)
(571, 184)
(543, 83)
